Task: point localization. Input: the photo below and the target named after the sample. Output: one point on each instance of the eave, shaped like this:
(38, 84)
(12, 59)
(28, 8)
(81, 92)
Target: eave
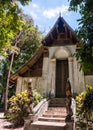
(27, 66)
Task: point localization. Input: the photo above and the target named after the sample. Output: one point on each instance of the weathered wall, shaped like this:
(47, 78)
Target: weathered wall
(22, 83)
(89, 80)
(37, 83)
(46, 84)
(79, 83)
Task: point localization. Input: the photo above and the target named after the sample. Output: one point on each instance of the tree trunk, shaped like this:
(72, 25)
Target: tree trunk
(9, 72)
(7, 83)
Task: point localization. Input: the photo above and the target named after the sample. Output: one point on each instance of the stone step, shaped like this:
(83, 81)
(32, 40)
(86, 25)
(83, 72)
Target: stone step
(51, 119)
(55, 113)
(57, 102)
(57, 105)
(63, 115)
(57, 108)
(43, 125)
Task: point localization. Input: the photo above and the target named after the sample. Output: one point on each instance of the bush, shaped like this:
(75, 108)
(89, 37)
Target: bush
(85, 105)
(17, 107)
(37, 97)
(79, 101)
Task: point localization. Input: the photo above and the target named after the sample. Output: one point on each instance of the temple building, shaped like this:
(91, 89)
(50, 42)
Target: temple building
(53, 64)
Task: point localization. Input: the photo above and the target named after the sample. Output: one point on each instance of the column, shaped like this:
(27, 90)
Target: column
(71, 73)
(53, 76)
(45, 72)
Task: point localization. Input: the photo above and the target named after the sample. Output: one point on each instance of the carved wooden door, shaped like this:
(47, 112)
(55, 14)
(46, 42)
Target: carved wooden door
(61, 78)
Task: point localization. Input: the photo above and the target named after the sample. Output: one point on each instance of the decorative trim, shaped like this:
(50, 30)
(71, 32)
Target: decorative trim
(70, 59)
(62, 53)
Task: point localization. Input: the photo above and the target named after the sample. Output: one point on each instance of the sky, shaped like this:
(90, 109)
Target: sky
(46, 12)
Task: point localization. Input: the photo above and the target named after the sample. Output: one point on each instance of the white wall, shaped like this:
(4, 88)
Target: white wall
(46, 83)
(79, 83)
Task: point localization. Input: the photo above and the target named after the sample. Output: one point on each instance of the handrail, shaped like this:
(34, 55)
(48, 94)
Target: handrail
(39, 105)
(73, 106)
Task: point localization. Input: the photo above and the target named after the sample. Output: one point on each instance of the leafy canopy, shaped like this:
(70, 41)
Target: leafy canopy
(29, 41)
(85, 104)
(10, 22)
(85, 31)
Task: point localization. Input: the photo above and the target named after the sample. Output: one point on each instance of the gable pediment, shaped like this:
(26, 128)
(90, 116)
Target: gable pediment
(60, 34)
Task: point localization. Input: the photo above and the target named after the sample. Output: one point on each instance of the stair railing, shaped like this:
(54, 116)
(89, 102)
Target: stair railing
(38, 111)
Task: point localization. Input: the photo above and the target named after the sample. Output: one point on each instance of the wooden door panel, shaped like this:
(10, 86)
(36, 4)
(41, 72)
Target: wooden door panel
(61, 77)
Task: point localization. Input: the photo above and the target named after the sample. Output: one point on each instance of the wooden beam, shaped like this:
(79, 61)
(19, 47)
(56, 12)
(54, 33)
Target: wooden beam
(51, 36)
(28, 67)
(70, 35)
(57, 29)
(65, 30)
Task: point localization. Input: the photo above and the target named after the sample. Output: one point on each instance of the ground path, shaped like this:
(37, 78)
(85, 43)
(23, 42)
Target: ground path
(5, 125)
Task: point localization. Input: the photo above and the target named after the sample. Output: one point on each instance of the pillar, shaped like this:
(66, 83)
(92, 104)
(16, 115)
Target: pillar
(71, 73)
(53, 77)
(45, 72)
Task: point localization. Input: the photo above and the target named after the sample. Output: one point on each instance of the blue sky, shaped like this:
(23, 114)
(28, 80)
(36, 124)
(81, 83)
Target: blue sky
(46, 12)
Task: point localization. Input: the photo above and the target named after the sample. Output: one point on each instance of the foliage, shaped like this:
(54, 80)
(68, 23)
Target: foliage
(18, 106)
(10, 22)
(23, 2)
(37, 97)
(87, 107)
(85, 30)
(29, 42)
(84, 58)
(79, 100)
(85, 104)
(3, 77)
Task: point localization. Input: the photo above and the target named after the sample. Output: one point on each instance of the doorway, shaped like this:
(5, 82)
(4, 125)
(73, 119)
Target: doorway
(61, 78)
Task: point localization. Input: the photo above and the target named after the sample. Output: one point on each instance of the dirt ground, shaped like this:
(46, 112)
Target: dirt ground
(5, 125)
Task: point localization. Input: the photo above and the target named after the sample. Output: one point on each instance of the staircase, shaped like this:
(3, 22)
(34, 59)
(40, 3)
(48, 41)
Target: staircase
(53, 118)
(57, 102)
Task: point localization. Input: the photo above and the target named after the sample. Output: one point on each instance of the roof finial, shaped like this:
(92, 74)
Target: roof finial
(60, 14)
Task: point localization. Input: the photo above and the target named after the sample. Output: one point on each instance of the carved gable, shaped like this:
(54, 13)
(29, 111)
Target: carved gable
(61, 34)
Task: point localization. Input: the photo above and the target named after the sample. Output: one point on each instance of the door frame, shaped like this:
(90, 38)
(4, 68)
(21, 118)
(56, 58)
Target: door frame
(67, 75)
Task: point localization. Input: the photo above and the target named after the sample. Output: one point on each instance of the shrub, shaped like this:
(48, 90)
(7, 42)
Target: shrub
(17, 107)
(85, 104)
(37, 97)
(79, 101)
